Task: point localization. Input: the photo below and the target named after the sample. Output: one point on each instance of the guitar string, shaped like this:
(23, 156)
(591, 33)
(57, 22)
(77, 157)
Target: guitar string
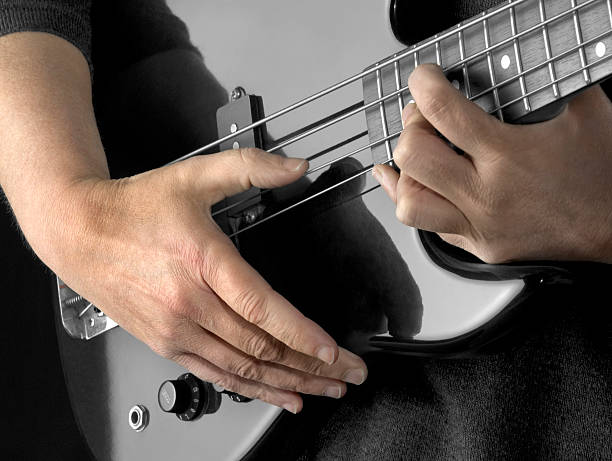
(354, 78)
(436, 41)
(371, 167)
(498, 85)
(487, 50)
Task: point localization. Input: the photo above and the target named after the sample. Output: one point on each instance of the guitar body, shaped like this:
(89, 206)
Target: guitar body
(283, 52)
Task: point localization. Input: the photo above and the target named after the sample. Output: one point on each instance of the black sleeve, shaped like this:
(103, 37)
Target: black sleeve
(69, 19)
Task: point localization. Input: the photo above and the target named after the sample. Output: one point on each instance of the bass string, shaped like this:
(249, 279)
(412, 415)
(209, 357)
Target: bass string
(498, 85)
(356, 109)
(391, 60)
(393, 135)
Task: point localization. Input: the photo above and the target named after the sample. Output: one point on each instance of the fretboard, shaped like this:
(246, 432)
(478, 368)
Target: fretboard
(511, 60)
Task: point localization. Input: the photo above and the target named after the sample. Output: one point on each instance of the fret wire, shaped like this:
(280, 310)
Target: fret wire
(393, 135)
(609, 2)
(540, 65)
(439, 51)
(416, 58)
(491, 70)
(560, 79)
(369, 168)
(398, 86)
(360, 75)
(452, 67)
(578, 29)
(383, 115)
(518, 58)
(551, 65)
(459, 63)
(464, 67)
(533, 69)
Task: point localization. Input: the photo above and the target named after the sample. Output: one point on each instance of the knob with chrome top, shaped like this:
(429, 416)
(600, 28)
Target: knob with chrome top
(188, 397)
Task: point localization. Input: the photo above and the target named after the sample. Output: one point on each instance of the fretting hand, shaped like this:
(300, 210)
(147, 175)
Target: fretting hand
(538, 191)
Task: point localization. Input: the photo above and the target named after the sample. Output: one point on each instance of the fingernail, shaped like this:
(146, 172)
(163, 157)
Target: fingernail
(376, 174)
(355, 376)
(326, 354)
(334, 392)
(292, 407)
(294, 164)
(408, 111)
(379, 175)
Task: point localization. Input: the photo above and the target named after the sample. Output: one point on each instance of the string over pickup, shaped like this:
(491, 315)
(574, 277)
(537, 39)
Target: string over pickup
(245, 208)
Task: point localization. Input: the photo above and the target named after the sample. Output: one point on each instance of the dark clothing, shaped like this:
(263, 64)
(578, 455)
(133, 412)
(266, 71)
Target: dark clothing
(548, 395)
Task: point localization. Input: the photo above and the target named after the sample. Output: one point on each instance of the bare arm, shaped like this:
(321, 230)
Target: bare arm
(145, 249)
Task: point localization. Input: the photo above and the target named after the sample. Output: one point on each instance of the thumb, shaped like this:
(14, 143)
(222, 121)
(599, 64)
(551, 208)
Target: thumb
(228, 173)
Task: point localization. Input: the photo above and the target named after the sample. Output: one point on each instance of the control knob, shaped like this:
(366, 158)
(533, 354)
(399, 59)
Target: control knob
(188, 397)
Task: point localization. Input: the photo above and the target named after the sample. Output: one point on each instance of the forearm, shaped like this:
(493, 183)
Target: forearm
(49, 140)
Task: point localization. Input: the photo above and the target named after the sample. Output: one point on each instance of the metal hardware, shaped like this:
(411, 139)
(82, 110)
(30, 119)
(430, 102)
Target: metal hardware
(242, 111)
(138, 418)
(80, 318)
(237, 93)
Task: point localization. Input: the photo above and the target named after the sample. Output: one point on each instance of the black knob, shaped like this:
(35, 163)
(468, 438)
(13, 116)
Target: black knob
(174, 396)
(188, 397)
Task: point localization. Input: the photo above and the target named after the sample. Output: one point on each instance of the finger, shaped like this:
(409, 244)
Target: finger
(203, 369)
(251, 297)
(422, 208)
(222, 321)
(388, 178)
(231, 360)
(228, 173)
(425, 157)
(461, 121)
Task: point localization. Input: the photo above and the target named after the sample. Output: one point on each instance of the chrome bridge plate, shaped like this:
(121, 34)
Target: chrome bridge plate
(80, 318)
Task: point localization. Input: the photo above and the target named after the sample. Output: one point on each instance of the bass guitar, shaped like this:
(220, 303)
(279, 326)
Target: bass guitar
(519, 61)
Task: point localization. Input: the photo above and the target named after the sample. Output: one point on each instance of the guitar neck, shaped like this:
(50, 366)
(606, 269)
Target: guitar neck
(511, 60)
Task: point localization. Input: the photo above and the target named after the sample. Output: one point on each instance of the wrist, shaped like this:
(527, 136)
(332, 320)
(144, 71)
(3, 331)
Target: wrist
(58, 217)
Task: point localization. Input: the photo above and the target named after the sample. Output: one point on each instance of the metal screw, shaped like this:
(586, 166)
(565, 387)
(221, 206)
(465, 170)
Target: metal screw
(233, 128)
(92, 321)
(237, 93)
(75, 299)
(138, 418)
(250, 216)
(236, 145)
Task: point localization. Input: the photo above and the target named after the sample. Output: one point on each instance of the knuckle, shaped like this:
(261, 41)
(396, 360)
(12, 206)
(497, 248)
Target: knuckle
(400, 154)
(249, 155)
(228, 382)
(265, 348)
(247, 368)
(407, 212)
(298, 383)
(313, 367)
(406, 148)
(431, 105)
(253, 306)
